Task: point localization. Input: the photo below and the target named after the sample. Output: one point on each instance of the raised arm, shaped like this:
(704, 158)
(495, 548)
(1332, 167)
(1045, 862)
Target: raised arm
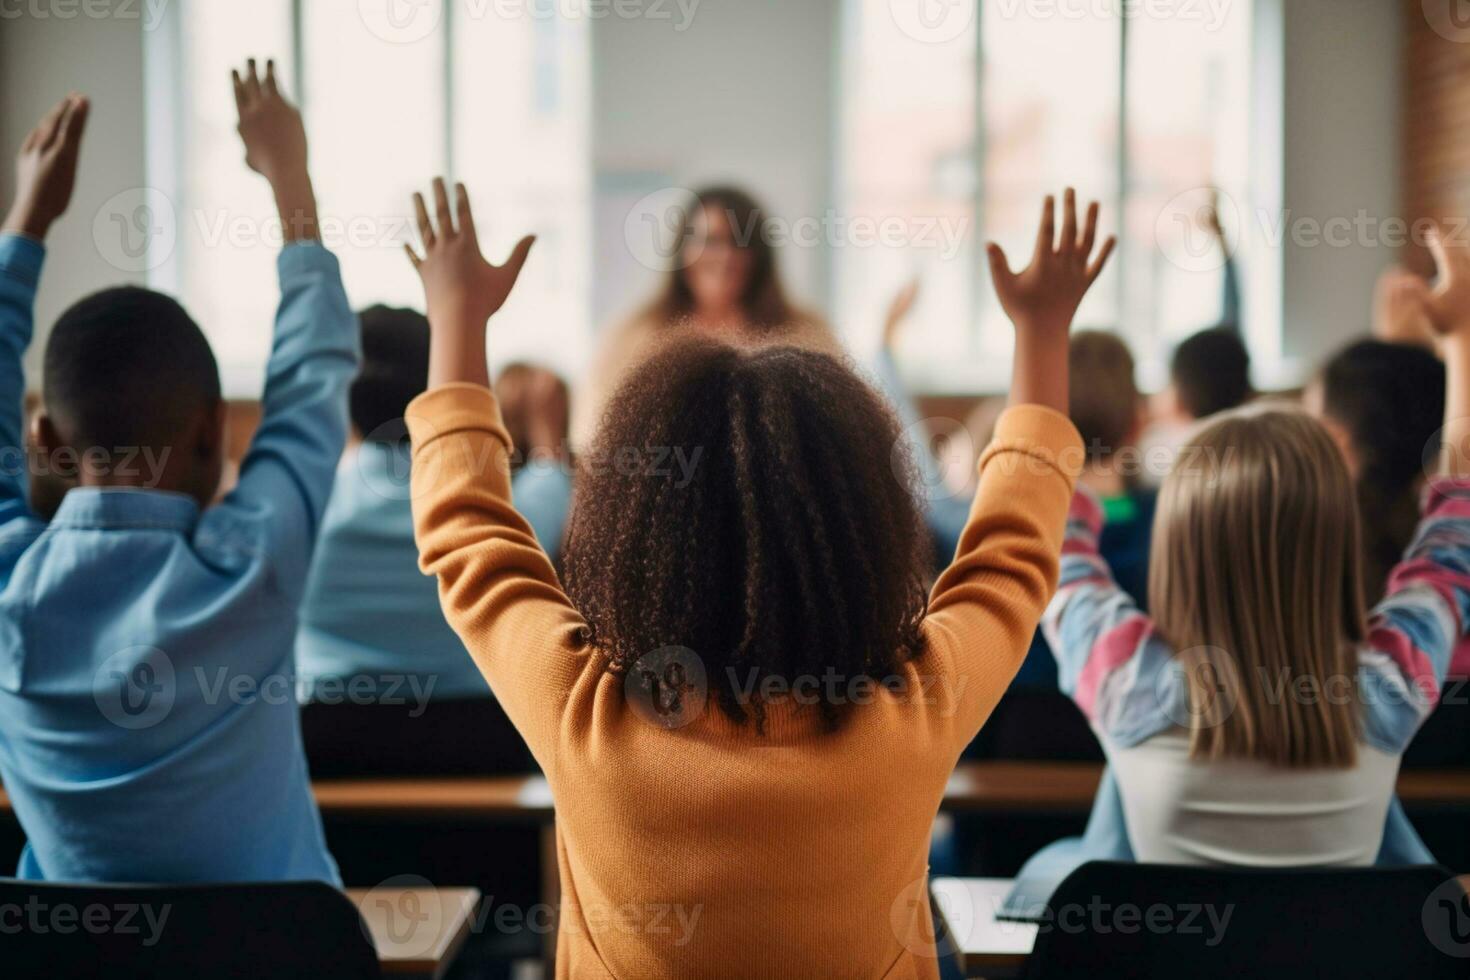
(45, 170)
(985, 607)
(1108, 659)
(1414, 631)
(287, 474)
(496, 584)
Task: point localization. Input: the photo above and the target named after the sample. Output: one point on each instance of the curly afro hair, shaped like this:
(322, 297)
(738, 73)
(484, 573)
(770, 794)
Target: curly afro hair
(757, 507)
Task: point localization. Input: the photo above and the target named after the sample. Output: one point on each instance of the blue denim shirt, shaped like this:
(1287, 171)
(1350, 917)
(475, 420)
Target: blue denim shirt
(371, 625)
(148, 725)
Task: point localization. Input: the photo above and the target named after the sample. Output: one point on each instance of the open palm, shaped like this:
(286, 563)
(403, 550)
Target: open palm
(1046, 294)
(459, 284)
(46, 168)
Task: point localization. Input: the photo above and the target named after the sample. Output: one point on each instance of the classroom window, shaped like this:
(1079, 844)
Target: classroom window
(962, 122)
(496, 97)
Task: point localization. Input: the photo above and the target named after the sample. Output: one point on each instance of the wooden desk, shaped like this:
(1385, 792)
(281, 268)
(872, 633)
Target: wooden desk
(995, 786)
(1004, 786)
(1001, 786)
(417, 931)
(496, 798)
(985, 945)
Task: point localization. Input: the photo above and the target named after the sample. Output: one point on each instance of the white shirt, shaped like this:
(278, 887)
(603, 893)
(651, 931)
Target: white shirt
(1245, 812)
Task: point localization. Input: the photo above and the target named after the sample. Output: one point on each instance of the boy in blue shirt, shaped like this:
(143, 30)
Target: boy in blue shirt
(148, 723)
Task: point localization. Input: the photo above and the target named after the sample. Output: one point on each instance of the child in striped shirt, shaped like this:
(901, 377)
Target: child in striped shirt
(1258, 714)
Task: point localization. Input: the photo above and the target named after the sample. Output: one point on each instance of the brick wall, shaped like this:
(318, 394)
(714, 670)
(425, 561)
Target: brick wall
(1436, 150)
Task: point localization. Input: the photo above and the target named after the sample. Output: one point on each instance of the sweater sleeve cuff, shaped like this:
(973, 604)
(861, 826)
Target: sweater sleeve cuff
(1045, 437)
(1446, 496)
(455, 407)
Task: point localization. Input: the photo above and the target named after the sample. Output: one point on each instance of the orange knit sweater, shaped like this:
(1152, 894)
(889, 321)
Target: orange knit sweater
(706, 850)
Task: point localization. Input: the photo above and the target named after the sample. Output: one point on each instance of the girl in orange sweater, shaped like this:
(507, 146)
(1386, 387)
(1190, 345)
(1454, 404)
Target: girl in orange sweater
(744, 704)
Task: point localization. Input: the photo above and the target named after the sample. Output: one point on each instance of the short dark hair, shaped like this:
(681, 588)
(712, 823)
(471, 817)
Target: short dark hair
(395, 371)
(1103, 392)
(1211, 371)
(128, 367)
(793, 547)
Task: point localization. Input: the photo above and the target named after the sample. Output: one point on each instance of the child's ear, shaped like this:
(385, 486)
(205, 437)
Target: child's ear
(43, 433)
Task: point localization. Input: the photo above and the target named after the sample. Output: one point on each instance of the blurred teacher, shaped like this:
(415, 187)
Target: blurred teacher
(724, 284)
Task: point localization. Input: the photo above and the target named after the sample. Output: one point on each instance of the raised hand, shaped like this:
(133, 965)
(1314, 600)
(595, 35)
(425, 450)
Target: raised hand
(1447, 305)
(270, 127)
(275, 147)
(1398, 308)
(461, 289)
(46, 169)
(1045, 295)
(458, 283)
(1447, 308)
(1042, 300)
(1212, 215)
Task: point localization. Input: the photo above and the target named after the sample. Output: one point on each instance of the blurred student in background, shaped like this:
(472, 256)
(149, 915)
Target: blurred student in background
(1383, 404)
(1209, 373)
(535, 406)
(1110, 413)
(389, 686)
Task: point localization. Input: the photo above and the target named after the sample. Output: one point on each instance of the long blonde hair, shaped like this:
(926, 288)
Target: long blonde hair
(1255, 579)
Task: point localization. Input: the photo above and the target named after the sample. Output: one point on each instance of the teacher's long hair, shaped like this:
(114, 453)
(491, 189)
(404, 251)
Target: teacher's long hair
(763, 301)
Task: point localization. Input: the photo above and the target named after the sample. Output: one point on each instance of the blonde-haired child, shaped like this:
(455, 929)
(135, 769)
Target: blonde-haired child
(1257, 715)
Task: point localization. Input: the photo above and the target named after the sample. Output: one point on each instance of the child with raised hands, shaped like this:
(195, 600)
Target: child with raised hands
(148, 725)
(745, 706)
(1257, 715)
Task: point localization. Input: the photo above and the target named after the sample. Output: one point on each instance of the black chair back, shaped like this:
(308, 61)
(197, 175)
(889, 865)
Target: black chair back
(278, 930)
(1110, 919)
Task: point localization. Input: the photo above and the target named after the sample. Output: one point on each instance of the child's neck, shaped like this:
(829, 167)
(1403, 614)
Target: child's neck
(719, 321)
(1103, 478)
(150, 474)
